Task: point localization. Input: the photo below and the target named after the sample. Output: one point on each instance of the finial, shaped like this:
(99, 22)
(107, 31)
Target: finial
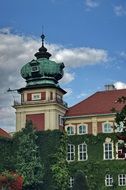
(42, 50)
(42, 37)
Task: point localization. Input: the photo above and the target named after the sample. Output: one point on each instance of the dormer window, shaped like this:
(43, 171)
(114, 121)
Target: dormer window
(35, 69)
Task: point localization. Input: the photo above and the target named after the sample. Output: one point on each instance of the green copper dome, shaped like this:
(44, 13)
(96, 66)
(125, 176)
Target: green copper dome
(42, 70)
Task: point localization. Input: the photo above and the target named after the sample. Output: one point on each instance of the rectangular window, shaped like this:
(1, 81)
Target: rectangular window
(122, 179)
(36, 96)
(71, 182)
(61, 120)
(108, 180)
(70, 152)
(82, 152)
(120, 150)
(108, 151)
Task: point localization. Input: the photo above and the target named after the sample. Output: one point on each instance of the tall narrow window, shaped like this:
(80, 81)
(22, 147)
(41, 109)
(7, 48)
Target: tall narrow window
(71, 182)
(70, 152)
(122, 179)
(108, 151)
(82, 152)
(60, 120)
(120, 150)
(108, 180)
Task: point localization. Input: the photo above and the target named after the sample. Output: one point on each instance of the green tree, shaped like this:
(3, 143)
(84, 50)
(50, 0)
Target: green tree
(121, 116)
(28, 160)
(80, 182)
(60, 169)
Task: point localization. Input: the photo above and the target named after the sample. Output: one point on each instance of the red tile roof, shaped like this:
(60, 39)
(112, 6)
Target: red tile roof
(99, 103)
(4, 134)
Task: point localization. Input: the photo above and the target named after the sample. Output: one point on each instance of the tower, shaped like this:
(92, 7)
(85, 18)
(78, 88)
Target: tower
(42, 97)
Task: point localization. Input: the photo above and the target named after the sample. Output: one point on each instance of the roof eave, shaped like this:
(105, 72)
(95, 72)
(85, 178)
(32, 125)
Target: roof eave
(89, 115)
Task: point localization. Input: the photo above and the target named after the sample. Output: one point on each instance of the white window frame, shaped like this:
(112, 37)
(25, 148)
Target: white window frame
(108, 151)
(61, 121)
(72, 129)
(71, 181)
(36, 96)
(103, 127)
(108, 180)
(82, 125)
(122, 179)
(82, 152)
(71, 152)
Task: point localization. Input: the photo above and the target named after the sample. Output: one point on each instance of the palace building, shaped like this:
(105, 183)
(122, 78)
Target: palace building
(89, 124)
(42, 101)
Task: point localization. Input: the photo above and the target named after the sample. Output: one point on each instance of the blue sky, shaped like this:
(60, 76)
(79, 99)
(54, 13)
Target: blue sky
(87, 35)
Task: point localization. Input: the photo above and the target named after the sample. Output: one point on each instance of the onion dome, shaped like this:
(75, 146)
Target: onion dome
(42, 71)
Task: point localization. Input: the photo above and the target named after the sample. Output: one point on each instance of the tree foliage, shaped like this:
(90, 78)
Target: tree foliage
(121, 116)
(80, 182)
(60, 169)
(28, 160)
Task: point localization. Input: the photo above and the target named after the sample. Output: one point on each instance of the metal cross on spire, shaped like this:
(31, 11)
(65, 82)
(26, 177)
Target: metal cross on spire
(42, 36)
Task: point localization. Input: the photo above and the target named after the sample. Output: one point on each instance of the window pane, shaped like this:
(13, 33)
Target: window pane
(82, 152)
(82, 129)
(108, 180)
(70, 152)
(108, 151)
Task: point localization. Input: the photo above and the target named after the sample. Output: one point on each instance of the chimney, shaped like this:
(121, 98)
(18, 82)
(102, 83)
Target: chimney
(109, 87)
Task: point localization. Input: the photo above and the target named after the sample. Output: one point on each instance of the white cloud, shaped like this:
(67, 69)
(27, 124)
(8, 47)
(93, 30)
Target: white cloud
(91, 3)
(120, 85)
(77, 57)
(120, 10)
(67, 78)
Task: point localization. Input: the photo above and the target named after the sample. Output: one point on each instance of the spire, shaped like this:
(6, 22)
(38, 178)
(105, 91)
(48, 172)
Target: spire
(42, 50)
(42, 37)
